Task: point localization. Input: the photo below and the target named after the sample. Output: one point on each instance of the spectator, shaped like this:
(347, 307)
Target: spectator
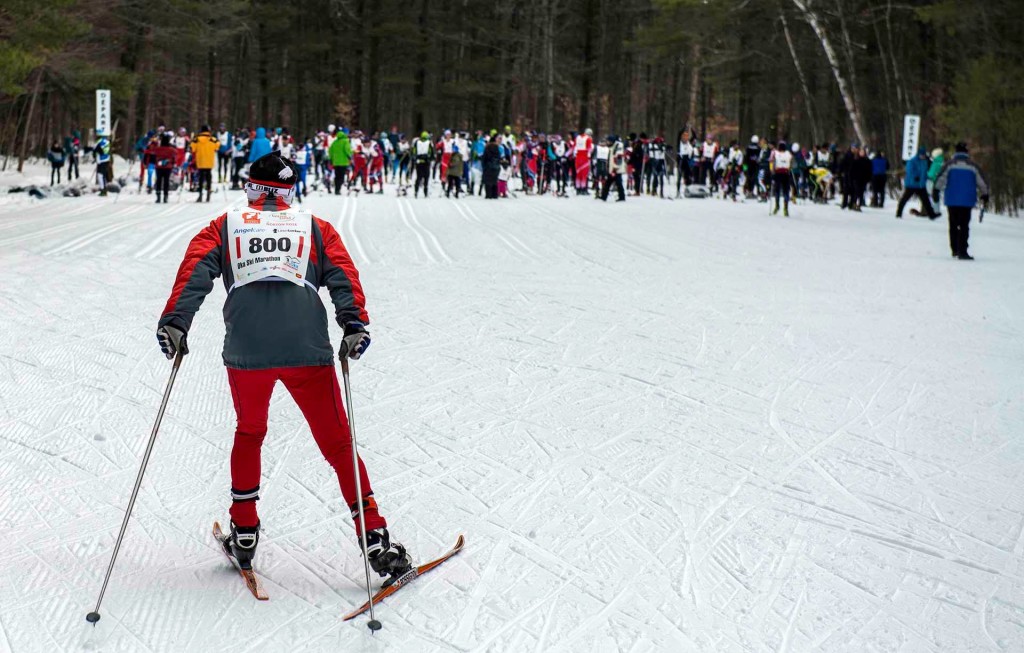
(165, 156)
(455, 172)
(204, 150)
(938, 160)
(879, 175)
(56, 158)
(861, 176)
(963, 183)
(72, 146)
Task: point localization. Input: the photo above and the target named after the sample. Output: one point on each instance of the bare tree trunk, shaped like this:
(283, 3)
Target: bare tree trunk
(421, 69)
(803, 79)
(695, 87)
(892, 118)
(585, 86)
(210, 67)
(548, 40)
(844, 89)
(901, 92)
(28, 120)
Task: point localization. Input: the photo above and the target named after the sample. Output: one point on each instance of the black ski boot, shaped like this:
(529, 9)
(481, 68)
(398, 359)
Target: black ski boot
(241, 544)
(387, 558)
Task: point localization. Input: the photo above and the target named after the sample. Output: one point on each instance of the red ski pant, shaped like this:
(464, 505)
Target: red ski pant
(582, 170)
(316, 392)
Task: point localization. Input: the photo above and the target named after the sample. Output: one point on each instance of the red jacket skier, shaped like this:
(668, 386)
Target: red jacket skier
(584, 145)
(273, 259)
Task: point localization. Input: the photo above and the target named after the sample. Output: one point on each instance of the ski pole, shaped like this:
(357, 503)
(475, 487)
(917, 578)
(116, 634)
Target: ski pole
(372, 624)
(94, 616)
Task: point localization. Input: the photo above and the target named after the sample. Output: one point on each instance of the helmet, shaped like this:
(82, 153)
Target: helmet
(331, 128)
(754, 139)
(588, 131)
(795, 148)
(424, 135)
(936, 152)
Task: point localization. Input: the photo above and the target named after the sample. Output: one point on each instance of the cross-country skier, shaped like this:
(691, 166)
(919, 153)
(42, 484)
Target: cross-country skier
(239, 152)
(303, 158)
(656, 166)
(914, 184)
(164, 155)
(750, 160)
(781, 163)
(340, 157)
(584, 147)
(101, 153)
(708, 152)
(636, 161)
(55, 155)
(491, 163)
(259, 145)
(685, 152)
(224, 138)
(476, 166)
(204, 152)
(277, 331)
(618, 169)
(556, 163)
(734, 165)
(72, 147)
(423, 154)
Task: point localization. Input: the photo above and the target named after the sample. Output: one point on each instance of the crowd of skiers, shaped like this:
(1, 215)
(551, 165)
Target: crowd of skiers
(502, 163)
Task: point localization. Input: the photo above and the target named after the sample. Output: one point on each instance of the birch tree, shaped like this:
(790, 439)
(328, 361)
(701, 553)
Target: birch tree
(845, 90)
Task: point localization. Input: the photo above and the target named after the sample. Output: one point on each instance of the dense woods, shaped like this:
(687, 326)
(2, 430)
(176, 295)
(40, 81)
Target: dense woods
(805, 70)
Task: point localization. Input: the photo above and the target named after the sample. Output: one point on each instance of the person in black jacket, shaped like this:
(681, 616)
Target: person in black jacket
(491, 161)
(750, 168)
(636, 160)
(845, 170)
(861, 175)
(56, 158)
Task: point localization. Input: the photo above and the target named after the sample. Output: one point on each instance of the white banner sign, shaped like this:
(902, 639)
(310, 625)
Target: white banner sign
(911, 132)
(103, 111)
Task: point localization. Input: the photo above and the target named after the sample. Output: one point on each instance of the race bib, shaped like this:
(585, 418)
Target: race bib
(269, 244)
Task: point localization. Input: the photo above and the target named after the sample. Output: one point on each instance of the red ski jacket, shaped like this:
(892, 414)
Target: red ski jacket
(269, 324)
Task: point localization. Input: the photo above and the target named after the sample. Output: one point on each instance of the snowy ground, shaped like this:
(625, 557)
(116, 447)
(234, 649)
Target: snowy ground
(662, 426)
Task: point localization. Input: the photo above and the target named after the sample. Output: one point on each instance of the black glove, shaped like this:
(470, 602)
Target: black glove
(984, 198)
(355, 341)
(172, 339)
(935, 196)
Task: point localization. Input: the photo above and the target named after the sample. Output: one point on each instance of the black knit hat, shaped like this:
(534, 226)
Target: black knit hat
(273, 170)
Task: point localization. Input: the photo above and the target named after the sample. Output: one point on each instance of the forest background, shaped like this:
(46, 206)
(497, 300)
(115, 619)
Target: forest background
(811, 71)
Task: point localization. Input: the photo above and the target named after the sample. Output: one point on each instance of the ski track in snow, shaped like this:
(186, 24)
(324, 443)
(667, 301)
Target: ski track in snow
(662, 426)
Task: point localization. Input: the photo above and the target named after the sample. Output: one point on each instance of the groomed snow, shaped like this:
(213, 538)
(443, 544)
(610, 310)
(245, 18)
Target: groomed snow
(662, 426)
